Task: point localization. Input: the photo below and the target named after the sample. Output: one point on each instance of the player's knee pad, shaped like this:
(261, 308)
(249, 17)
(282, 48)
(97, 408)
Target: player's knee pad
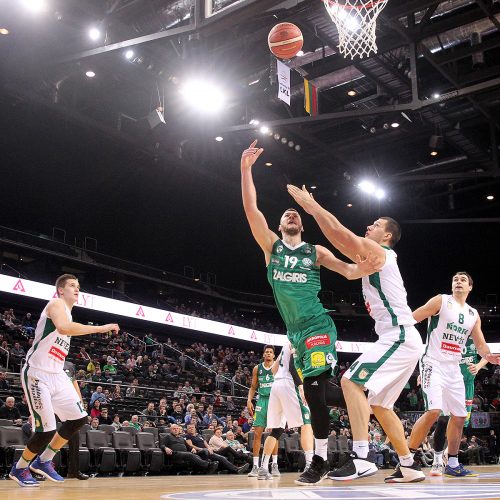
(276, 433)
(334, 395)
(39, 441)
(440, 433)
(315, 393)
(69, 427)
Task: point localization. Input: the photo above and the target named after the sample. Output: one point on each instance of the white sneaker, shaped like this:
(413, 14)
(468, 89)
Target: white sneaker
(436, 470)
(254, 472)
(275, 471)
(263, 474)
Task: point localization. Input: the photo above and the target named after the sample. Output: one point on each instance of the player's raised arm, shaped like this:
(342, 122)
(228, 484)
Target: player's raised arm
(481, 345)
(430, 308)
(258, 224)
(339, 236)
(363, 267)
(57, 313)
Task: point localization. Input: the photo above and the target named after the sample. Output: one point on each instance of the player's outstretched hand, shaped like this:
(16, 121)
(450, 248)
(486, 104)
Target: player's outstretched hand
(370, 264)
(303, 197)
(250, 155)
(493, 358)
(111, 327)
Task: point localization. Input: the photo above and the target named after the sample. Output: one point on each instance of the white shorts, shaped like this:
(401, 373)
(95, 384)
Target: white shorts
(388, 365)
(443, 386)
(285, 406)
(48, 395)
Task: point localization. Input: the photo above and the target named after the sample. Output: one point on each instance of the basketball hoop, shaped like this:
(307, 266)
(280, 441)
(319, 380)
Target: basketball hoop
(356, 22)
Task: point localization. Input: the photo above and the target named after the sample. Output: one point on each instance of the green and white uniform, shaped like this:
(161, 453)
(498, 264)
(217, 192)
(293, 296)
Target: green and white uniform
(386, 368)
(470, 356)
(295, 280)
(447, 335)
(265, 380)
(48, 389)
(285, 403)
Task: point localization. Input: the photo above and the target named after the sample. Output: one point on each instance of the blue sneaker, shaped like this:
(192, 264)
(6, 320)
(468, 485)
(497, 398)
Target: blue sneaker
(23, 477)
(46, 469)
(458, 472)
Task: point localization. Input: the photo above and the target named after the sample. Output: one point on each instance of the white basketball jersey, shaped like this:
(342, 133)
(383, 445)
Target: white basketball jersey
(448, 331)
(385, 296)
(50, 348)
(284, 365)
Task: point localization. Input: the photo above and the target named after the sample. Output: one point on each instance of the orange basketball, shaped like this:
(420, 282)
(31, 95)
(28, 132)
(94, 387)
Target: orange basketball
(285, 40)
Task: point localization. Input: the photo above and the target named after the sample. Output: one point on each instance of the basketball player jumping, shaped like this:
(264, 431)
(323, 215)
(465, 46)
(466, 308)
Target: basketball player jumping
(451, 322)
(293, 270)
(262, 381)
(48, 389)
(390, 362)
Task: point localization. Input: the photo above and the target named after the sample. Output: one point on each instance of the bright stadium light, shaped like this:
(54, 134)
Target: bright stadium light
(204, 96)
(264, 129)
(94, 33)
(129, 54)
(367, 187)
(379, 194)
(35, 6)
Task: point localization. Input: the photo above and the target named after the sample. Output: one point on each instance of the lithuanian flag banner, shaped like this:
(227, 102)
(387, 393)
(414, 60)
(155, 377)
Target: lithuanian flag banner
(310, 98)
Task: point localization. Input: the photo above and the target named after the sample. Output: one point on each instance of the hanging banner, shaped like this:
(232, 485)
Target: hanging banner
(283, 82)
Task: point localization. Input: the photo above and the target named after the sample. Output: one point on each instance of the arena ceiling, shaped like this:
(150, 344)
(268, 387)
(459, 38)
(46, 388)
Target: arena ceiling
(424, 51)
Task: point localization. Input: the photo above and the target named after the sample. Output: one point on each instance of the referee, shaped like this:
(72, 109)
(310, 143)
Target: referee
(74, 441)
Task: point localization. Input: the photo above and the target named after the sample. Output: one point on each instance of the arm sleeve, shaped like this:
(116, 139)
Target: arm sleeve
(293, 372)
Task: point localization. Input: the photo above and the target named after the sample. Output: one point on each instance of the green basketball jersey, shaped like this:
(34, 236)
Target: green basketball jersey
(295, 280)
(470, 356)
(265, 378)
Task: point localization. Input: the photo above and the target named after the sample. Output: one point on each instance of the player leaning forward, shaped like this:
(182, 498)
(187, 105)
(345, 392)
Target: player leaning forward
(451, 322)
(48, 389)
(387, 366)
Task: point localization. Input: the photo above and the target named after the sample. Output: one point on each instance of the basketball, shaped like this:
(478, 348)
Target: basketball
(285, 40)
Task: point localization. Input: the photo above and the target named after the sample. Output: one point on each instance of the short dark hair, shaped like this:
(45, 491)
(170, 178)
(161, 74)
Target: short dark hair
(268, 346)
(465, 273)
(61, 281)
(392, 226)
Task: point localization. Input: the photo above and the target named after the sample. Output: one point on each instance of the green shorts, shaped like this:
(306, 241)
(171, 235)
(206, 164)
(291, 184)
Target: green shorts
(260, 413)
(469, 396)
(314, 344)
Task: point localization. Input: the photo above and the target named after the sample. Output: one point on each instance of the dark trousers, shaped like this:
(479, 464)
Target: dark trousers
(234, 456)
(215, 457)
(74, 454)
(188, 458)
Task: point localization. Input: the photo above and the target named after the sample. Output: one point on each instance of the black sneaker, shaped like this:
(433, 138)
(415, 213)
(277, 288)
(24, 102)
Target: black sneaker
(402, 474)
(353, 468)
(315, 473)
(212, 467)
(243, 469)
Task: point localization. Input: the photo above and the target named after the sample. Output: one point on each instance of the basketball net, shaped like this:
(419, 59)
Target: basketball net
(356, 23)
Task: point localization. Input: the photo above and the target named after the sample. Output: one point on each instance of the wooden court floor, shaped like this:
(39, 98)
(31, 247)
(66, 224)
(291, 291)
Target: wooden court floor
(231, 487)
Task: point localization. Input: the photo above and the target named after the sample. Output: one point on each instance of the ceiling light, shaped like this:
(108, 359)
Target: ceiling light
(349, 205)
(284, 140)
(314, 187)
(300, 53)
(253, 83)
(4, 31)
(394, 124)
(129, 54)
(490, 197)
(94, 34)
(90, 74)
(277, 136)
(351, 93)
(436, 95)
(434, 153)
(35, 5)
(380, 194)
(367, 187)
(297, 147)
(291, 144)
(269, 164)
(219, 138)
(264, 129)
(203, 96)
(254, 122)
(372, 130)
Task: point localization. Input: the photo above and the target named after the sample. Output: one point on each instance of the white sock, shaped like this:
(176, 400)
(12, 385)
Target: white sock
(22, 463)
(265, 462)
(255, 461)
(321, 447)
(406, 460)
(453, 462)
(360, 448)
(48, 454)
(438, 458)
(309, 456)
(275, 459)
